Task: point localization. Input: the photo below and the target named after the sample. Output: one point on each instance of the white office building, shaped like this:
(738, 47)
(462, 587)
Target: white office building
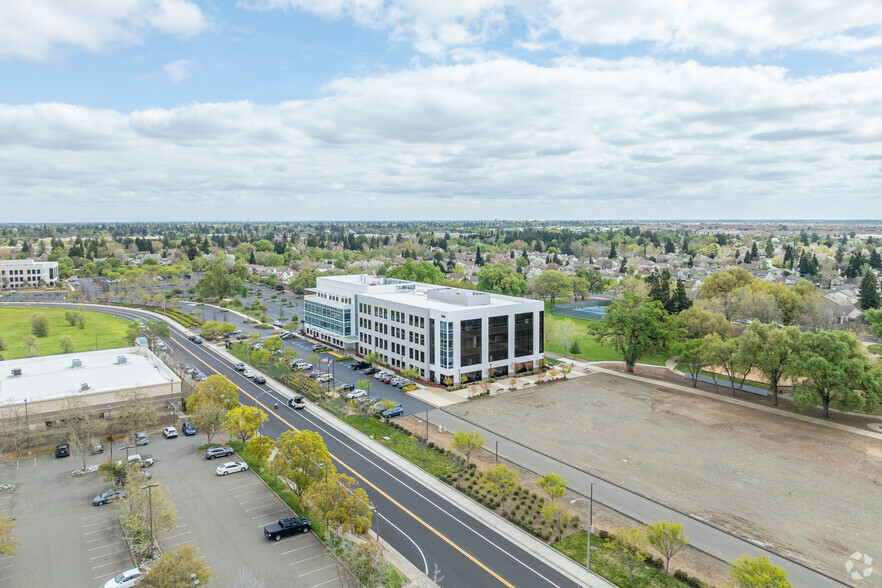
(27, 273)
(444, 332)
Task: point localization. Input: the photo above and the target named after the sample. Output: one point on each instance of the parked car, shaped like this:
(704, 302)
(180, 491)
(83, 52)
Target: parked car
(161, 346)
(325, 378)
(62, 450)
(188, 428)
(96, 448)
(169, 432)
(296, 402)
(241, 337)
(248, 374)
(319, 346)
(231, 467)
(124, 579)
(357, 393)
(141, 438)
(239, 367)
(346, 387)
(213, 452)
(259, 380)
(147, 460)
(287, 335)
(359, 365)
(380, 375)
(285, 527)
(403, 382)
(198, 340)
(369, 371)
(393, 412)
(278, 324)
(108, 496)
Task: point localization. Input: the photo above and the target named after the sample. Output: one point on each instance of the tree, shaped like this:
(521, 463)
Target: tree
(768, 348)
(502, 479)
(79, 426)
(468, 443)
(554, 485)
(261, 447)
(874, 317)
(722, 286)
(301, 458)
(637, 327)
(724, 354)
(218, 282)
(7, 543)
(14, 430)
(831, 367)
(757, 572)
(364, 560)
(551, 284)
(423, 271)
(177, 568)
(679, 300)
(564, 333)
(39, 324)
(208, 416)
(699, 322)
(631, 546)
(868, 295)
(71, 317)
(373, 357)
(667, 538)
(557, 517)
(136, 412)
(243, 421)
(140, 509)
(153, 331)
(501, 278)
(340, 502)
(690, 353)
(575, 348)
(216, 388)
(66, 344)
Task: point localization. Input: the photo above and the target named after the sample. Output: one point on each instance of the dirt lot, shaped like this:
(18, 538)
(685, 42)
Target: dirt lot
(805, 490)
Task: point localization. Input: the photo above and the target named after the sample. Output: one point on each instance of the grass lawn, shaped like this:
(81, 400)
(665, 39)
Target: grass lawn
(403, 444)
(875, 349)
(591, 349)
(605, 562)
(15, 324)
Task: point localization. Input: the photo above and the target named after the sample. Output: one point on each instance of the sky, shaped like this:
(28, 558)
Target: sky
(179, 110)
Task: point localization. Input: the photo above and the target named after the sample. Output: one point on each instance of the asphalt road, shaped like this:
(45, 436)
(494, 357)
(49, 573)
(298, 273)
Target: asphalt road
(423, 526)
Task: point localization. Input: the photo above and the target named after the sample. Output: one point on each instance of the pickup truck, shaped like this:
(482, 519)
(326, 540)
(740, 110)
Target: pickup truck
(285, 527)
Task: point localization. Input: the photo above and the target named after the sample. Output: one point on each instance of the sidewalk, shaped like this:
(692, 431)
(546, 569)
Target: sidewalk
(703, 536)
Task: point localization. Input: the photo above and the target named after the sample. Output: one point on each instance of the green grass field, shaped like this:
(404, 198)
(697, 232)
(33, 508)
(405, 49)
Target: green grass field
(591, 349)
(102, 331)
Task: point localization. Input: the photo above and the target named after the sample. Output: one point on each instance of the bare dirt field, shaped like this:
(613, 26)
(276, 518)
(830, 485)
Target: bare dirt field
(804, 490)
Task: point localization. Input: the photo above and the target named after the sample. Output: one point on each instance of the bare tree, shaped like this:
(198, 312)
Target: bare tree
(80, 425)
(137, 412)
(247, 578)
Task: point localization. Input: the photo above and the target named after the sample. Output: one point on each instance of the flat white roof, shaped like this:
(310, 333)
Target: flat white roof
(51, 376)
(418, 297)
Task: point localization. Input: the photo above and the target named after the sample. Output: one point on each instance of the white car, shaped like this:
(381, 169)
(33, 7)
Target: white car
(248, 374)
(124, 579)
(357, 393)
(231, 467)
(169, 432)
(325, 378)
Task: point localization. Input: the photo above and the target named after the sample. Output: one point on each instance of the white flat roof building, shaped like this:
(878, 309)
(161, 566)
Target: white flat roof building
(444, 332)
(27, 273)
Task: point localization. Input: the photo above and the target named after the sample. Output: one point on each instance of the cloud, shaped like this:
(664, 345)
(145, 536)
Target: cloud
(709, 26)
(581, 138)
(35, 30)
(180, 70)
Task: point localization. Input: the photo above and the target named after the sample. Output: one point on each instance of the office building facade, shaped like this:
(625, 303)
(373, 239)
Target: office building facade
(27, 273)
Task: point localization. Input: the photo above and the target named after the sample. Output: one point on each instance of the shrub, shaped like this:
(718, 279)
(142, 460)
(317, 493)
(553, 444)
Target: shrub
(691, 581)
(604, 535)
(575, 521)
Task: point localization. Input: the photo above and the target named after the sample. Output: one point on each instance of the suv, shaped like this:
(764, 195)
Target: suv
(188, 429)
(296, 402)
(62, 450)
(213, 452)
(141, 438)
(239, 367)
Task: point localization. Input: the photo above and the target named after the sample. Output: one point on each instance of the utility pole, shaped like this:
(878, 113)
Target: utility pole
(149, 487)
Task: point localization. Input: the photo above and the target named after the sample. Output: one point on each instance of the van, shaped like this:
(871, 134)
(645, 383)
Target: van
(296, 402)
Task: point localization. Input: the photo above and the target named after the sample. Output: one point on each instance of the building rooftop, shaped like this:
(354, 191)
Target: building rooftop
(448, 299)
(53, 376)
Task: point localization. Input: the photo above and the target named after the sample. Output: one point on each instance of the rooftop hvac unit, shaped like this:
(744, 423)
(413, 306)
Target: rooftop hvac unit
(84, 387)
(121, 359)
(76, 363)
(16, 371)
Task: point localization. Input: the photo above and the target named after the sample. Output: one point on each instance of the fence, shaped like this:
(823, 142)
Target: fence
(574, 309)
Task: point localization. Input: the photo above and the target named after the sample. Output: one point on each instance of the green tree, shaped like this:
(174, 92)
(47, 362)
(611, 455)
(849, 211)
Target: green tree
(301, 458)
(868, 295)
(723, 353)
(153, 331)
(768, 348)
(468, 443)
(304, 279)
(208, 416)
(831, 367)
(501, 278)
(140, 509)
(557, 517)
(699, 323)
(502, 479)
(575, 348)
(637, 327)
(39, 324)
(218, 282)
(757, 572)
(554, 485)
(721, 286)
(66, 343)
(71, 317)
(874, 317)
(177, 568)
(216, 388)
(690, 353)
(423, 271)
(550, 284)
(667, 538)
(341, 503)
(272, 344)
(7, 543)
(260, 448)
(374, 357)
(631, 546)
(243, 421)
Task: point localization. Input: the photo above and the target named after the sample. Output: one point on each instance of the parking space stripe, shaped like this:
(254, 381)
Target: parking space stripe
(108, 554)
(307, 559)
(249, 484)
(95, 531)
(93, 524)
(259, 506)
(269, 515)
(7, 577)
(316, 570)
(326, 582)
(249, 492)
(113, 563)
(92, 516)
(102, 547)
(101, 538)
(178, 535)
(296, 549)
(178, 544)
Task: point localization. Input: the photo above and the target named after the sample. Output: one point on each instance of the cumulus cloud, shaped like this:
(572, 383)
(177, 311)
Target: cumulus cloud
(180, 70)
(711, 26)
(35, 29)
(582, 138)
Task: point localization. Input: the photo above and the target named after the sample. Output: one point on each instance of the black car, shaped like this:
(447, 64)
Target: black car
(370, 371)
(347, 387)
(259, 380)
(62, 450)
(241, 336)
(360, 365)
(191, 337)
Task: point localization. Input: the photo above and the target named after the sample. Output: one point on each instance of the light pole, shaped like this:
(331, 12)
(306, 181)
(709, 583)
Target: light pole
(590, 502)
(27, 426)
(127, 447)
(149, 487)
(110, 416)
(497, 451)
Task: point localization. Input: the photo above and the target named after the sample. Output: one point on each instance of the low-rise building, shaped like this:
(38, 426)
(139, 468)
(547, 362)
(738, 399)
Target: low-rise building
(27, 273)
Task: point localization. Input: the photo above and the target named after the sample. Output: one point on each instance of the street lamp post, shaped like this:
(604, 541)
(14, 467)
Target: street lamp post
(149, 487)
(590, 502)
(110, 416)
(497, 451)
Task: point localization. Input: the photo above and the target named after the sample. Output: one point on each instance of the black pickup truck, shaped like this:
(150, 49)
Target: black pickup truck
(285, 527)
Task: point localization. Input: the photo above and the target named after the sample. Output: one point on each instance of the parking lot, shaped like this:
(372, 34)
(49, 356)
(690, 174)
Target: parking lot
(65, 541)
